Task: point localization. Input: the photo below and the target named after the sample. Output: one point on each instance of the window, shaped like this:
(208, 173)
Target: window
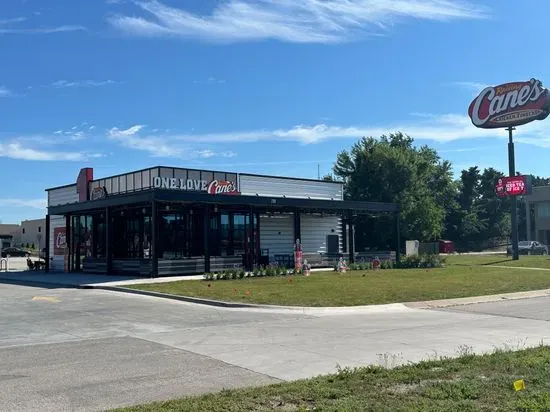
(39, 229)
(543, 209)
(23, 231)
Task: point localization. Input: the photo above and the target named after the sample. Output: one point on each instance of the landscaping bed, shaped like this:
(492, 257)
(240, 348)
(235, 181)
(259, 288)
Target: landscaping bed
(469, 383)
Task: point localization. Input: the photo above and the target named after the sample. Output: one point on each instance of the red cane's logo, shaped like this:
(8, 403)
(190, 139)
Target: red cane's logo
(222, 187)
(510, 104)
(60, 240)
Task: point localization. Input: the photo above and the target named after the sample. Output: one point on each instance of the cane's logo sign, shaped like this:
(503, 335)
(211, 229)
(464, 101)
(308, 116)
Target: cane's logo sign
(510, 104)
(222, 187)
(60, 241)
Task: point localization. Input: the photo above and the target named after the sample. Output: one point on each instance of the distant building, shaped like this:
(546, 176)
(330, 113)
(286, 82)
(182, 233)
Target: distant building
(33, 232)
(10, 235)
(539, 200)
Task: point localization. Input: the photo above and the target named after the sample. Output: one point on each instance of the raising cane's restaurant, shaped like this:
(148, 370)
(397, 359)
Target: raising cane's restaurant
(165, 221)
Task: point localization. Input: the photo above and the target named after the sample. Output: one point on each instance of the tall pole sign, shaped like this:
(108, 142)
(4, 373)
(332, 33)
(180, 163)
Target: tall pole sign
(507, 106)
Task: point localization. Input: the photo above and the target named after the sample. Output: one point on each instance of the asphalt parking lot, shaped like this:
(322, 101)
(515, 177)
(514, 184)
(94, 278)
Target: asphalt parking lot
(88, 350)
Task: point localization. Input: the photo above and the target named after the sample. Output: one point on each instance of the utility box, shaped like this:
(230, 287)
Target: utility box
(412, 247)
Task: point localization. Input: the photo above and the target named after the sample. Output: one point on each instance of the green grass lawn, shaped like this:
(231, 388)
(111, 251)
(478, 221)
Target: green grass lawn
(469, 383)
(500, 260)
(362, 287)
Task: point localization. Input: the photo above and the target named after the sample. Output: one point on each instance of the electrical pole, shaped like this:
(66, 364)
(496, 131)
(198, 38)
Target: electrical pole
(513, 199)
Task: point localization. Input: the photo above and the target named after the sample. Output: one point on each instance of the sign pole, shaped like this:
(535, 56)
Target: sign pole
(513, 199)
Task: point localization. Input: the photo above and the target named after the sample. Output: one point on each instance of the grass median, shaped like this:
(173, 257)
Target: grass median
(468, 383)
(362, 287)
(541, 262)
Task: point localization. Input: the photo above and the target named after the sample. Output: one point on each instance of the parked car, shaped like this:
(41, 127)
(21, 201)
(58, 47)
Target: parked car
(15, 252)
(529, 247)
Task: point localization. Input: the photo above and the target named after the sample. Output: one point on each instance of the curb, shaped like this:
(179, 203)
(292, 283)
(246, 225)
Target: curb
(445, 303)
(390, 307)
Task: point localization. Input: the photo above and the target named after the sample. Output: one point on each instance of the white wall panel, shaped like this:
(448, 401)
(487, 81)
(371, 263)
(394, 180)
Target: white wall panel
(314, 230)
(277, 234)
(62, 196)
(294, 188)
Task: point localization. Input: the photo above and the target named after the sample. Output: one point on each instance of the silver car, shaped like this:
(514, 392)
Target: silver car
(529, 247)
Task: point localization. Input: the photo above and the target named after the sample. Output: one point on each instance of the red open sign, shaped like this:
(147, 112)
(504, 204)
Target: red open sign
(513, 186)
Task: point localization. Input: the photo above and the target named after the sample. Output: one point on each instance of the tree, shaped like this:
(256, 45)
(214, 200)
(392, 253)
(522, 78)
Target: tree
(391, 169)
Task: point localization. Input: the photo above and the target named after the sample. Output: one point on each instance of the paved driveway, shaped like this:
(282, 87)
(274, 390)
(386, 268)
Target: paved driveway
(70, 349)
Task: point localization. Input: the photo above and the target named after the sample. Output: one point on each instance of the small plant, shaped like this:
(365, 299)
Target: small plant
(208, 276)
(255, 271)
(269, 271)
(241, 274)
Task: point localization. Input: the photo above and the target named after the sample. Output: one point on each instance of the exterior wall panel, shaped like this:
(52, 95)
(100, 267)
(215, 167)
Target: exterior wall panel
(62, 196)
(315, 229)
(294, 188)
(277, 234)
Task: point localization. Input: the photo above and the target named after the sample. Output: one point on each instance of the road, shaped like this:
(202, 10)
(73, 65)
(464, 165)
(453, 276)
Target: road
(87, 350)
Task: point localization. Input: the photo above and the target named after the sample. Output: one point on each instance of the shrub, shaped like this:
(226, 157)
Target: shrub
(208, 276)
(241, 274)
(255, 271)
(269, 271)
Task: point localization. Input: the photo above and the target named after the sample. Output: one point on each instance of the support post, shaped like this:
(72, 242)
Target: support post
(47, 255)
(513, 199)
(528, 220)
(351, 238)
(68, 242)
(297, 226)
(206, 239)
(154, 239)
(109, 240)
(398, 236)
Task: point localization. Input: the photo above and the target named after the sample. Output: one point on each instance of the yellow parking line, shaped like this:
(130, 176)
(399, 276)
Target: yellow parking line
(46, 299)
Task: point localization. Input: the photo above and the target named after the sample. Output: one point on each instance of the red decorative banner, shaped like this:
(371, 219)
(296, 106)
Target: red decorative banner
(59, 241)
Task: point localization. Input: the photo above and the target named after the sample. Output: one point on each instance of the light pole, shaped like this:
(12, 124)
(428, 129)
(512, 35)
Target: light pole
(513, 199)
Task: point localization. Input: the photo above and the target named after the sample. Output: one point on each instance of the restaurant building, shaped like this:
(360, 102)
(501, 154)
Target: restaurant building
(167, 221)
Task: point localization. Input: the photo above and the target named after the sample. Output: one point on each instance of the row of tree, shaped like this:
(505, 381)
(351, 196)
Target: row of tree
(434, 205)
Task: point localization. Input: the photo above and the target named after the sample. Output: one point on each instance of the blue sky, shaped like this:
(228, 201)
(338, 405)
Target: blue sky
(252, 85)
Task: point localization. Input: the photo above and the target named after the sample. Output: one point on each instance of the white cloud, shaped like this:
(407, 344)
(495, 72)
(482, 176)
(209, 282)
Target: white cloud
(210, 80)
(131, 131)
(209, 153)
(160, 145)
(435, 128)
(16, 150)
(82, 83)
(41, 30)
(3, 22)
(5, 92)
(305, 21)
(32, 203)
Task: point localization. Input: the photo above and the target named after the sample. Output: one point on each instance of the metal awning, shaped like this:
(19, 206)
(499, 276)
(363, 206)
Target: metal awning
(259, 202)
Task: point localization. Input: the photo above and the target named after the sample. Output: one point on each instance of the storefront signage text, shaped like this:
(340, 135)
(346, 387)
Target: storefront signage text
(215, 187)
(513, 186)
(510, 104)
(222, 187)
(179, 184)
